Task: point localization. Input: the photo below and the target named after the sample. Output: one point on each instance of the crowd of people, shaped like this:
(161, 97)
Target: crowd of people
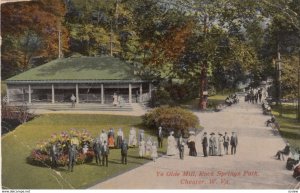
(110, 140)
(211, 146)
(255, 95)
(231, 99)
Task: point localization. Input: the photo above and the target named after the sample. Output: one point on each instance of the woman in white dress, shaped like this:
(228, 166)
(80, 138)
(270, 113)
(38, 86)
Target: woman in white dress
(172, 145)
(148, 146)
(132, 137)
(142, 148)
(103, 136)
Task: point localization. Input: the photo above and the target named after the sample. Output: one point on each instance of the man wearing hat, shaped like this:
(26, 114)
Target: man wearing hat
(72, 154)
(97, 151)
(204, 144)
(233, 143)
(105, 153)
(212, 144)
(181, 147)
(220, 144)
(124, 150)
(226, 143)
(160, 137)
(286, 151)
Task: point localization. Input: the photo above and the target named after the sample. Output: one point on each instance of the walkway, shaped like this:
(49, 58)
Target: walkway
(136, 110)
(253, 167)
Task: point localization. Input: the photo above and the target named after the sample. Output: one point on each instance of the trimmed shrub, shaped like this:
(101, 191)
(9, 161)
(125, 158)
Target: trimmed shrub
(41, 154)
(171, 118)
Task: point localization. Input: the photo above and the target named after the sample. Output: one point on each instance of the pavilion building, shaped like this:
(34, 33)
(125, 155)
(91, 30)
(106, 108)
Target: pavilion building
(90, 79)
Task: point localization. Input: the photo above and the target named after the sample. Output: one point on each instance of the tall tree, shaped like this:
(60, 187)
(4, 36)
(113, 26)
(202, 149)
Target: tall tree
(35, 26)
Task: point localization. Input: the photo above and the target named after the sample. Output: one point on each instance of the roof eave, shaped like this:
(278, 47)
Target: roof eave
(73, 81)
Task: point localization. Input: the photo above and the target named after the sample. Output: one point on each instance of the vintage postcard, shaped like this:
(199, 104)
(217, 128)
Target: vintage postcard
(150, 94)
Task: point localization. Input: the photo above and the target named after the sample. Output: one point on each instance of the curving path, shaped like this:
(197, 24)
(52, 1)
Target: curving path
(253, 167)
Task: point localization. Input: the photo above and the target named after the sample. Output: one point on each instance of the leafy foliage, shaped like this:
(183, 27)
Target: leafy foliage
(30, 29)
(171, 118)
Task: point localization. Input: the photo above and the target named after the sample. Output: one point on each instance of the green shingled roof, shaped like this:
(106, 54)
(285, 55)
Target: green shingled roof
(79, 68)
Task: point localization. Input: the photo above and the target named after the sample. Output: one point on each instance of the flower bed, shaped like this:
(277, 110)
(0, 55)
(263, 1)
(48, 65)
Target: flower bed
(41, 155)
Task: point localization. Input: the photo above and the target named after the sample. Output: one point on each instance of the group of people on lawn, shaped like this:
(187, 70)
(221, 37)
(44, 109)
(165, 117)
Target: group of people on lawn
(108, 140)
(148, 147)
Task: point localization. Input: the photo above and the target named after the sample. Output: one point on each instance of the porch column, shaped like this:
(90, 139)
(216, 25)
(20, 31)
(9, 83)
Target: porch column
(29, 94)
(150, 90)
(53, 97)
(141, 93)
(130, 94)
(77, 94)
(102, 94)
(7, 94)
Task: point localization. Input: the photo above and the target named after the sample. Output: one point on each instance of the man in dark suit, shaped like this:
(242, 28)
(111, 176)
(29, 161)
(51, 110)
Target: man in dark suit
(105, 152)
(180, 144)
(226, 143)
(124, 150)
(72, 156)
(204, 144)
(160, 137)
(286, 151)
(54, 155)
(97, 151)
(233, 143)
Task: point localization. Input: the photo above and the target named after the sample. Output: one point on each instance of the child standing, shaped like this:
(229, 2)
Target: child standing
(154, 152)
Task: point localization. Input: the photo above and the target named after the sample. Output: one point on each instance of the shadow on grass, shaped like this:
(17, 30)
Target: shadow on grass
(289, 134)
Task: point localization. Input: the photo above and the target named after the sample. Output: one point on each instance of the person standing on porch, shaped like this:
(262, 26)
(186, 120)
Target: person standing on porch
(136, 96)
(73, 100)
(115, 99)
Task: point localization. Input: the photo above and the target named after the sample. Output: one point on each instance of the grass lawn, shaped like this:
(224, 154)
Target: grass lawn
(17, 145)
(289, 127)
(213, 101)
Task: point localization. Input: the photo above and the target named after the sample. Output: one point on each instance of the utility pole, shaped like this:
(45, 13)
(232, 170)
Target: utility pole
(59, 43)
(279, 79)
(298, 98)
(116, 26)
(110, 39)
(203, 76)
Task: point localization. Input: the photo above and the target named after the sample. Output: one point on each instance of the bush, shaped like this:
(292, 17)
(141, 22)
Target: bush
(160, 97)
(172, 94)
(171, 118)
(41, 154)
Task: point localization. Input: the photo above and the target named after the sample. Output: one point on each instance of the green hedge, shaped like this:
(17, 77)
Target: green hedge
(171, 118)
